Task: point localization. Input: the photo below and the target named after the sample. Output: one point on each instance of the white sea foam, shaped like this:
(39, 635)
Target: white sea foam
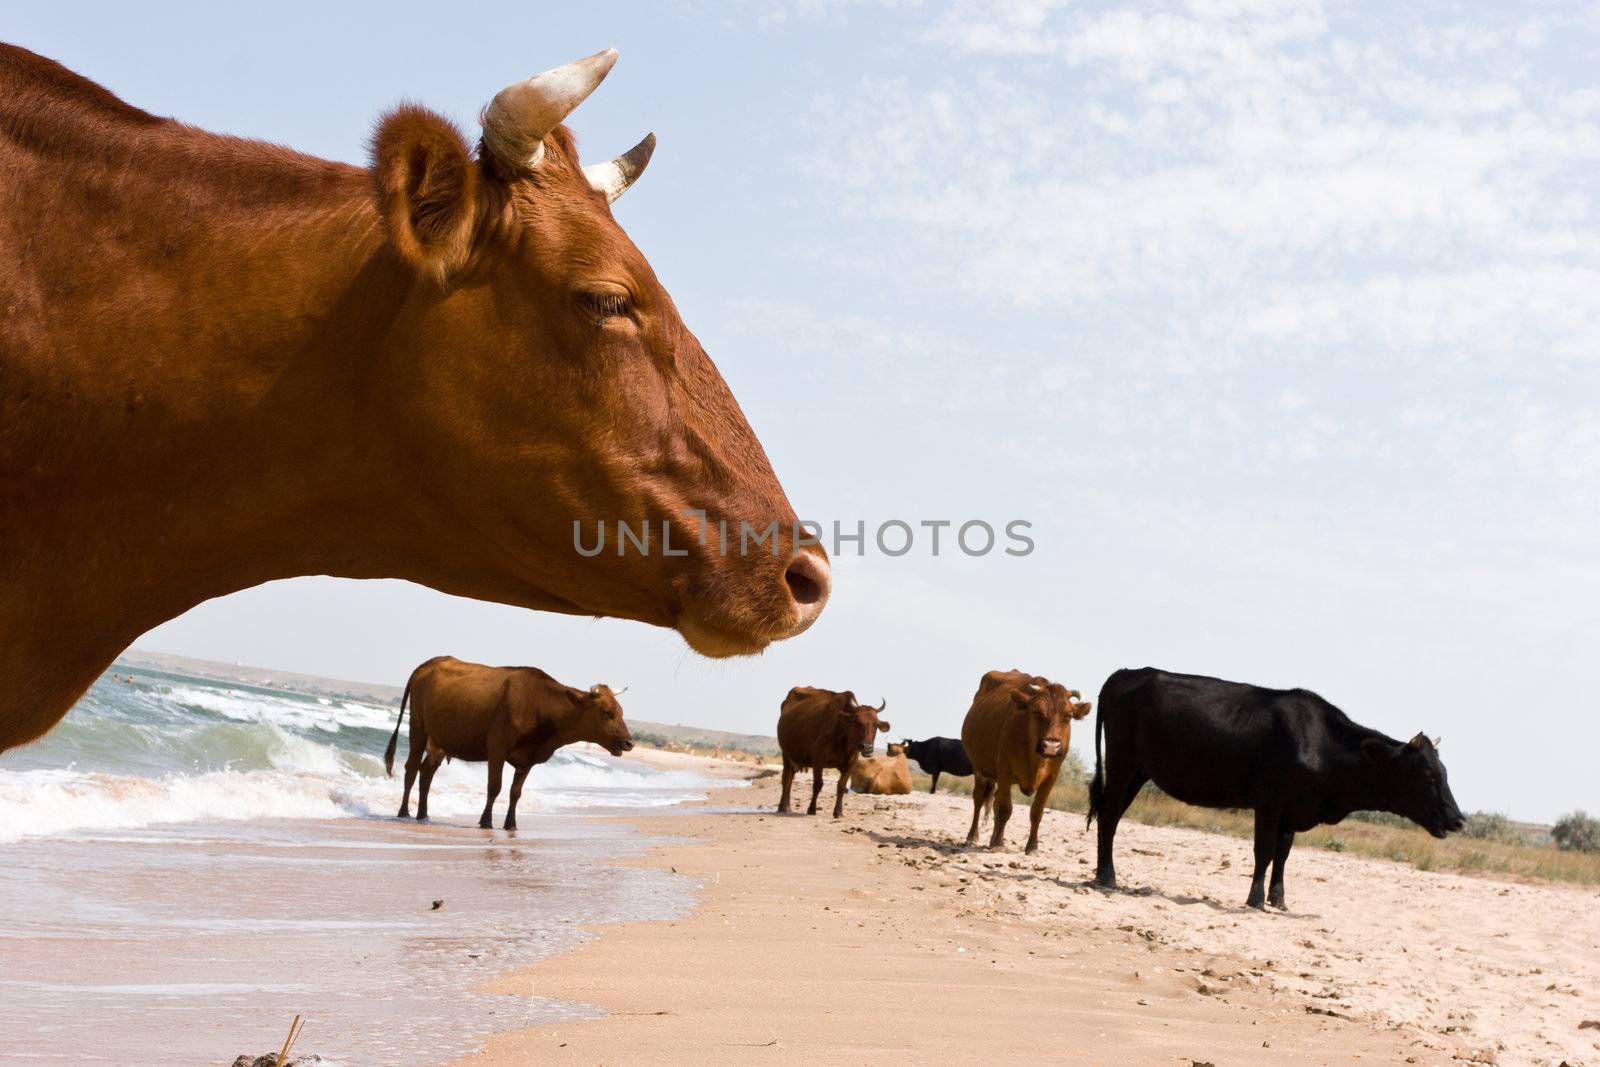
(310, 781)
(171, 752)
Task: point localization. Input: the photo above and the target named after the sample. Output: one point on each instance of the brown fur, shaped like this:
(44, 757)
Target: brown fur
(888, 775)
(427, 188)
(498, 715)
(819, 728)
(223, 362)
(1003, 733)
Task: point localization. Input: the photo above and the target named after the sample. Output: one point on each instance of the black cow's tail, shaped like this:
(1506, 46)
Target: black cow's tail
(394, 738)
(1097, 785)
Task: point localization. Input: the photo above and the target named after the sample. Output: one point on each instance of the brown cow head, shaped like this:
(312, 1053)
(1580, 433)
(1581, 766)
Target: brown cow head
(1049, 709)
(541, 386)
(861, 723)
(600, 720)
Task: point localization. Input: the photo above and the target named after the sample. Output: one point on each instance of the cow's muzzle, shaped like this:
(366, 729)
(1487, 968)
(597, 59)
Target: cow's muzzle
(1049, 747)
(866, 751)
(620, 747)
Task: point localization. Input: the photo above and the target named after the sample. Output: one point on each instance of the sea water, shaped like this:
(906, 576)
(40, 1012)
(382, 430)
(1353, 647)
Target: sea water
(185, 865)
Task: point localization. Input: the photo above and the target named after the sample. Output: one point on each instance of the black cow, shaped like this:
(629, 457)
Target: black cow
(940, 755)
(1294, 758)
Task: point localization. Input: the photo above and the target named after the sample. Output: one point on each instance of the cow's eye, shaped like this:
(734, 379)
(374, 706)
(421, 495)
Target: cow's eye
(602, 304)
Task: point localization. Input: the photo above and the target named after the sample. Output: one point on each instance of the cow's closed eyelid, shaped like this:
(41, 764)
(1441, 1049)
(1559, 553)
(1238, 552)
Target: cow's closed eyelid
(602, 304)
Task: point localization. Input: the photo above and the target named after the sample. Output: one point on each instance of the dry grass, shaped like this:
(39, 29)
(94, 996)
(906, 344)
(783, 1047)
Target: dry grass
(1405, 844)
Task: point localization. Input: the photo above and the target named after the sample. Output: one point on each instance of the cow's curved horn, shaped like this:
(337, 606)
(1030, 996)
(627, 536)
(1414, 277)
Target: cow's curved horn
(1437, 741)
(619, 692)
(520, 116)
(615, 175)
(883, 703)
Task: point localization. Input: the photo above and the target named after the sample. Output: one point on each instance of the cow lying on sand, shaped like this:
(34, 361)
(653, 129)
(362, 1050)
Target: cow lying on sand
(1289, 755)
(819, 728)
(882, 775)
(1017, 733)
(939, 755)
(515, 715)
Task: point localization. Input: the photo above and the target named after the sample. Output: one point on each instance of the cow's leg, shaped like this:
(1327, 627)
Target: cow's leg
(430, 764)
(1279, 859)
(496, 768)
(838, 796)
(934, 787)
(414, 756)
(518, 776)
(981, 789)
(1035, 813)
(816, 788)
(1266, 849)
(1002, 811)
(413, 763)
(1122, 787)
(788, 780)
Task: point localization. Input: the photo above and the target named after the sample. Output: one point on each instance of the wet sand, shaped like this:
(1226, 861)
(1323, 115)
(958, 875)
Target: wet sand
(878, 934)
(193, 943)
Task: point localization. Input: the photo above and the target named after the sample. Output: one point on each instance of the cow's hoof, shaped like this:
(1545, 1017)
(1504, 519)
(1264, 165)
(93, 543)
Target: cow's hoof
(1106, 881)
(510, 826)
(1258, 903)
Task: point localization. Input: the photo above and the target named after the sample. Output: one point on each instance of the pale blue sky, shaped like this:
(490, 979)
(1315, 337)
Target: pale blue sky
(1279, 321)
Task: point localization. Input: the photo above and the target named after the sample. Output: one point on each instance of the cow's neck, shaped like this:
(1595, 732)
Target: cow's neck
(1358, 784)
(195, 425)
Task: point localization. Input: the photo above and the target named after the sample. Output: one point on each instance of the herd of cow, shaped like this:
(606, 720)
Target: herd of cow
(1287, 754)
(195, 323)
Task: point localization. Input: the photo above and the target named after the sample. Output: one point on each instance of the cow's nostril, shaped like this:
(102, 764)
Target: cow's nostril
(808, 579)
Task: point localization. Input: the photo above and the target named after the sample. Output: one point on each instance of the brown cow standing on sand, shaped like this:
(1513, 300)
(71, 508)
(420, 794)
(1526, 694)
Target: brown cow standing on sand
(819, 728)
(223, 362)
(515, 715)
(1017, 733)
(888, 775)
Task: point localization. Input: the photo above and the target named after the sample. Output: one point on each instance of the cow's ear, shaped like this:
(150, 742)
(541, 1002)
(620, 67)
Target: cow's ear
(1081, 709)
(427, 188)
(1019, 698)
(883, 726)
(1377, 751)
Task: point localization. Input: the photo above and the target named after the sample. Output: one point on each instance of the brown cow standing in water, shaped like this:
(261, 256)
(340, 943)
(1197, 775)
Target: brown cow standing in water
(1017, 732)
(223, 362)
(819, 728)
(515, 715)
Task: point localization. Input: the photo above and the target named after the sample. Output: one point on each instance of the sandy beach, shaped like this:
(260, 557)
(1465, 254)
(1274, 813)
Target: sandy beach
(878, 934)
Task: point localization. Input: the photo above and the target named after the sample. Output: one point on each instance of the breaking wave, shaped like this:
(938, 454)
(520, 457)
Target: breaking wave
(171, 749)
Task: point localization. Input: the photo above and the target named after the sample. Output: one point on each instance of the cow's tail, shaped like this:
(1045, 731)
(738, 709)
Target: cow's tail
(1097, 785)
(394, 738)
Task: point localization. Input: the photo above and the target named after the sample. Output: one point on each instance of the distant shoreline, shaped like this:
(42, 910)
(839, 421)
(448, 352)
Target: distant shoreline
(247, 674)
